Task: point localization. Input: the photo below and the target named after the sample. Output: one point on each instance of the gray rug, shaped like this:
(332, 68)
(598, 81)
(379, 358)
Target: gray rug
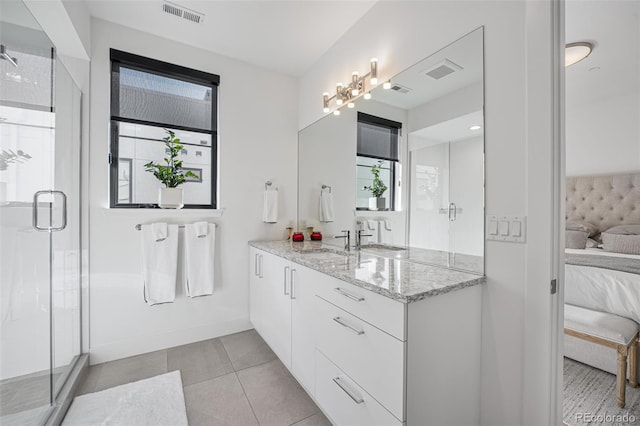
(590, 398)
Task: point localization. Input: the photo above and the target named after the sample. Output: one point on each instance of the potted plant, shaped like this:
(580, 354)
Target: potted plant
(377, 188)
(170, 174)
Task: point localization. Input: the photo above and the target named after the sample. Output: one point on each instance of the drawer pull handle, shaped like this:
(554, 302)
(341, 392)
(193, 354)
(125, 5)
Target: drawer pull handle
(350, 327)
(349, 295)
(286, 272)
(352, 394)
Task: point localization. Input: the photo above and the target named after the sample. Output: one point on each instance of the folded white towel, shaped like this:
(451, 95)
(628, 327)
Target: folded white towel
(372, 226)
(384, 232)
(199, 248)
(270, 210)
(160, 231)
(159, 262)
(326, 213)
(201, 229)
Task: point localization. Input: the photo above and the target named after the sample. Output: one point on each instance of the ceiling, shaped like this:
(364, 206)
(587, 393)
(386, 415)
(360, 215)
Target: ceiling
(284, 36)
(453, 130)
(466, 52)
(613, 68)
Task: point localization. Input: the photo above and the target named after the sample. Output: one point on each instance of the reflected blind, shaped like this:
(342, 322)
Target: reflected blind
(378, 137)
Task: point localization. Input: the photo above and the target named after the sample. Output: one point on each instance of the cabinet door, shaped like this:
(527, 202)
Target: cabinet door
(276, 299)
(304, 285)
(257, 291)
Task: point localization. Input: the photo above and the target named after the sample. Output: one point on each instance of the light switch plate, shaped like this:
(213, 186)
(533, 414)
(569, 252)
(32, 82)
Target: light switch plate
(507, 228)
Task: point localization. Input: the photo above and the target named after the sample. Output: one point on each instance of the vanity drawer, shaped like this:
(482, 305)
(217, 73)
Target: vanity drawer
(371, 357)
(385, 313)
(344, 401)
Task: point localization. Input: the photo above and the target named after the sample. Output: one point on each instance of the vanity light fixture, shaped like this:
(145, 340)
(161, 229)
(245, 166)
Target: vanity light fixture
(386, 85)
(336, 112)
(476, 127)
(357, 87)
(575, 52)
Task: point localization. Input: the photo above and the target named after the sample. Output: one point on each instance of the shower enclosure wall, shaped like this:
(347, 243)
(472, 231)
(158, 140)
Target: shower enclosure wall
(40, 252)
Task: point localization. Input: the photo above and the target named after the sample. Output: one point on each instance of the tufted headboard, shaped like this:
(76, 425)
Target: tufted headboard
(605, 200)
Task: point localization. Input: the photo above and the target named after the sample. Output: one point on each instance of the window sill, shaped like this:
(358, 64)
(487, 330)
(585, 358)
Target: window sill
(164, 212)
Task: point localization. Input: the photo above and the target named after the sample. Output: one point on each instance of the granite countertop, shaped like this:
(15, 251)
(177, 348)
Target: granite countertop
(390, 273)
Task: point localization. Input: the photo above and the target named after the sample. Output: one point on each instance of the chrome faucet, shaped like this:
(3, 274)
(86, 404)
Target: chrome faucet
(359, 236)
(347, 239)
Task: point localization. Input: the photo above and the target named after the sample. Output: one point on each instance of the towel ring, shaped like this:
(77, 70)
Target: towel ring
(327, 187)
(267, 184)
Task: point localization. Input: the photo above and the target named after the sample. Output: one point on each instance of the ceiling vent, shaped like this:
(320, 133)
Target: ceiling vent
(442, 69)
(182, 12)
(399, 88)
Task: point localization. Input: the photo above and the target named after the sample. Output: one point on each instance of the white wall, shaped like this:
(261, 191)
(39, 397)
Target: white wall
(402, 33)
(604, 137)
(257, 142)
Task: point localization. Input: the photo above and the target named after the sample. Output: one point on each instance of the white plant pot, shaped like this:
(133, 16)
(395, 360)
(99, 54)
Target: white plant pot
(170, 198)
(377, 203)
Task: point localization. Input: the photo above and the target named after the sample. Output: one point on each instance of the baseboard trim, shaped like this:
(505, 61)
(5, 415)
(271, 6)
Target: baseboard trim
(144, 344)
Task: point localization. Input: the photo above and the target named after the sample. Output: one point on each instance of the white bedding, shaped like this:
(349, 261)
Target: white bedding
(603, 289)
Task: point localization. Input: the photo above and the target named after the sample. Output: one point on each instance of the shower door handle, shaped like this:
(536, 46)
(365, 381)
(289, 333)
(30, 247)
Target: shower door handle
(49, 228)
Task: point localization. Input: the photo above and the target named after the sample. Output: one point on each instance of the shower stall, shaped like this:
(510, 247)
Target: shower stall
(40, 238)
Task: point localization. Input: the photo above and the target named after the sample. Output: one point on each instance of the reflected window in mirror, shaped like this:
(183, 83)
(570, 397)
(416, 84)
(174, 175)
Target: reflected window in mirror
(378, 145)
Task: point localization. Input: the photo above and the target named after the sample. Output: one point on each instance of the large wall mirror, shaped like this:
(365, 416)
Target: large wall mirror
(423, 136)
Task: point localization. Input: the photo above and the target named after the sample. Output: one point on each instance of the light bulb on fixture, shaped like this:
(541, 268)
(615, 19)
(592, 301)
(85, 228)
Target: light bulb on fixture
(374, 71)
(325, 102)
(355, 77)
(367, 95)
(339, 94)
(336, 112)
(386, 85)
(351, 105)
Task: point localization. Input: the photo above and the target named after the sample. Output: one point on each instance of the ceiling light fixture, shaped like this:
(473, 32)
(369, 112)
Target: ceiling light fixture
(386, 85)
(575, 52)
(476, 127)
(357, 87)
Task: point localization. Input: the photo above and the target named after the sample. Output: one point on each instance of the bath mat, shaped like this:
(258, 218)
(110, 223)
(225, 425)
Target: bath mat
(156, 401)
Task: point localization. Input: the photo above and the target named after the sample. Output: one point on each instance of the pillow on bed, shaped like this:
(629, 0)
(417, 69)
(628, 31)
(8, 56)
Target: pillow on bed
(622, 239)
(580, 225)
(576, 239)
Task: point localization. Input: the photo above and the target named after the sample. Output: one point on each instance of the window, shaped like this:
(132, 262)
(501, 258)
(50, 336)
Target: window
(378, 142)
(147, 97)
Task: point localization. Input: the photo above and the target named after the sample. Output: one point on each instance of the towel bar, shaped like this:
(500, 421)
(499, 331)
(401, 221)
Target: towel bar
(139, 226)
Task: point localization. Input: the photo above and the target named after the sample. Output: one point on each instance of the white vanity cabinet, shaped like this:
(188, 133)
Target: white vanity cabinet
(281, 309)
(366, 358)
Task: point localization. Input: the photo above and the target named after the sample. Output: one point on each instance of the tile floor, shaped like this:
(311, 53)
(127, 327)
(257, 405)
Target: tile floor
(232, 380)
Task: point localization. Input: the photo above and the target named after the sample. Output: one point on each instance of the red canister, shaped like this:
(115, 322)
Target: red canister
(298, 236)
(316, 236)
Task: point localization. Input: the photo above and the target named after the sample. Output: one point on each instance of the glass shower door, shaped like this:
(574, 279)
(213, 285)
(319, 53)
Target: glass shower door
(27, 126)
(39, 220)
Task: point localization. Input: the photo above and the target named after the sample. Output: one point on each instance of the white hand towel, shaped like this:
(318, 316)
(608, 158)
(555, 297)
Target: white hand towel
(160, 231)
(200, 255)
(159, 262)
(372, 226)
(270, 210)
(201, 229)
(326, 207)
(384, 232)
